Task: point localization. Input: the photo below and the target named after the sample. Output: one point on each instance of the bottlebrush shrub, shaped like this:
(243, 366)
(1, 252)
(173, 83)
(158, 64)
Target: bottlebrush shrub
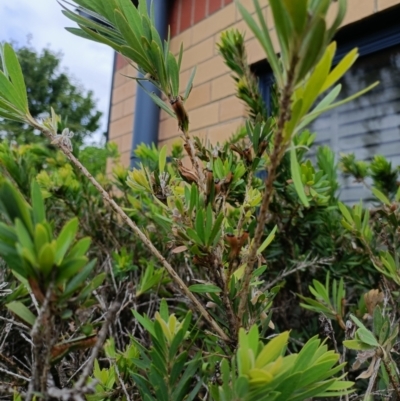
(216, 232)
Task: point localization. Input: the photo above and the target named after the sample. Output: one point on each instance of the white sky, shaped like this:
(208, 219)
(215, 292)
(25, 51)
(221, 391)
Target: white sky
(88, 62)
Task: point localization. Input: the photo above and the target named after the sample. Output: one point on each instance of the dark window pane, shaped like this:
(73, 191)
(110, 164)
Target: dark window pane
(369, 125)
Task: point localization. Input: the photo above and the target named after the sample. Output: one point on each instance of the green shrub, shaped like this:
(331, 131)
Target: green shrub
(198, 272)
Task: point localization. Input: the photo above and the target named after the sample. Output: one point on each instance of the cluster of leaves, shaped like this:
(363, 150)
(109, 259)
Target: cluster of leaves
(263, 372)
(234, 234)
(49, 86)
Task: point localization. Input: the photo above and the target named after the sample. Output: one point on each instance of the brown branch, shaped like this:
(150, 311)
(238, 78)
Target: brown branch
(42, 342)
(372, 379)
(276, 157)
(303, 265)
(14, 374)
(182, 286)
(391, 377)
(242, 211)
(99, 343)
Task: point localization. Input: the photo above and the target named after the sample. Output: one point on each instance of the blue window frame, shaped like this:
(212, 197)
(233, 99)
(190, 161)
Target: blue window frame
(369, 125)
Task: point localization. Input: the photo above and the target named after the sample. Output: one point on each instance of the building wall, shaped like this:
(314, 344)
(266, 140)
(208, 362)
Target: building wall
(214, 112)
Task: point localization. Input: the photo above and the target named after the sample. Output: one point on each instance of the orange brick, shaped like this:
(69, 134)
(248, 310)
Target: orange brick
(210, 69)
(222, 86)
(221, 132)
(274, 40)
(184, 79)
(126, 159)
(213, 24)
(121, 127)
(199, 96)
(185, 38)
(119, 79)
(123, 75)
(168, 129)
(200, 133)
(197, 54)
(129, 105)
(249, 6)
(126, 143)
(269, 19)
(382, 4)
(164, 115)
(231, 108)
(255, 52)
(358, 9)
(204, 116)
(123, 91)
(117, 111)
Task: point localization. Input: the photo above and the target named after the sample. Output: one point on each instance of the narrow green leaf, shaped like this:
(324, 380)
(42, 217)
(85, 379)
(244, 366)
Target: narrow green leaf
(267, 241)
(132, 16)
(80, 278)
(284, 28)
(189, 84)
(199, 225)
(317, 78)
(326, 101)
(159, 102)
(381, 196)
(79, 248)
(11, 116)
(322, 291)
(356, 345)
(102, 39)
(15, 73)
(128, 33)
(173, 74)
(216, 228)
(19, 309)
(162, 158)
(209, 224)
(343, 66)
(46, 259)
(180, 56)
(263, 37)
(146, 25)
(194, 194)
(145, 322)
(39, 214)
(143, 63)
(24, 237)
(103, 31)
(203, 288)
(316, 113)
(295, 170)
(69, 268)
(312, 46)
(65, 239)
(298, 13)
(8, 92)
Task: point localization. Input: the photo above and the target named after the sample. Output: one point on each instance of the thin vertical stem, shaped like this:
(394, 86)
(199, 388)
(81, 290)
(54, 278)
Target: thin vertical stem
(276, 157)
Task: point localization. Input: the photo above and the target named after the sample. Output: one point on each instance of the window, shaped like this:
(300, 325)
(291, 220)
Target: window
(369, 125)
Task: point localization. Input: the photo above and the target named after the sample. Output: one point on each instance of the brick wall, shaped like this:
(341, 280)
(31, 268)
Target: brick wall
(214, 112)
(122, 111)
